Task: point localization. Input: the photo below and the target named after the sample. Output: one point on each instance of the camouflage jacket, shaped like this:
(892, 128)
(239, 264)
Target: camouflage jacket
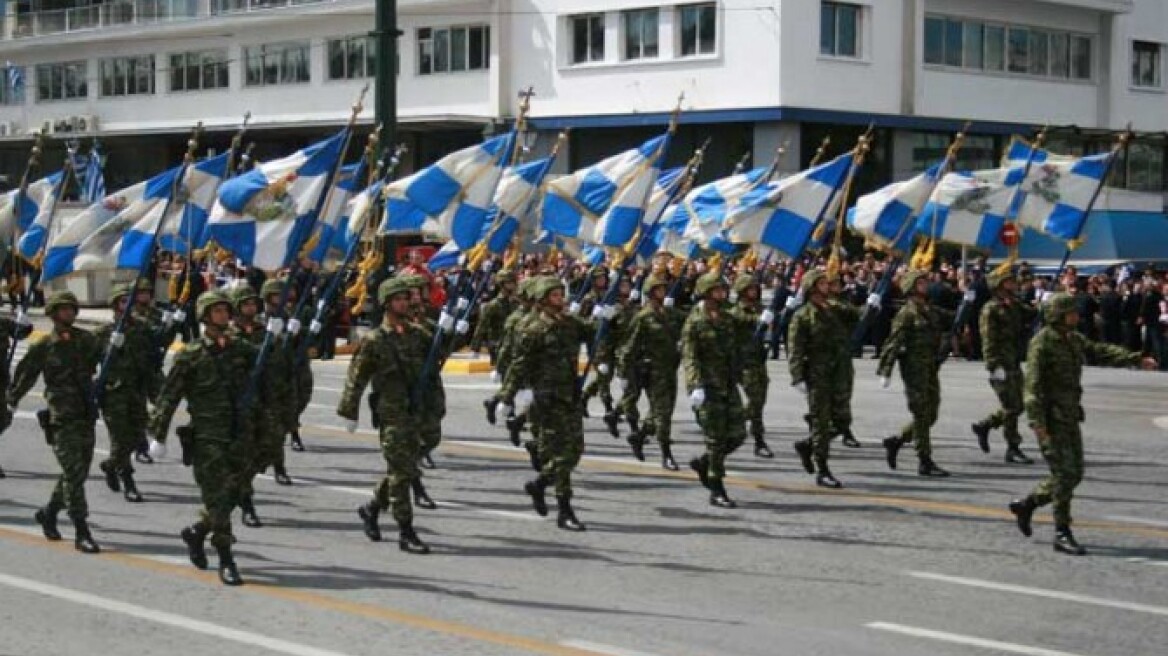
(489, 331)
(615, 331)
(67, 358)
(917, 333)
(133, 369)
(819, 339)
(747, 316)
(390, 359)
(8, 332)
(510, 337)
(1004, 325)
(276, 386)
(212, 375)
(652, 341)
(547, 356)
(1054, 369)
(711, 352)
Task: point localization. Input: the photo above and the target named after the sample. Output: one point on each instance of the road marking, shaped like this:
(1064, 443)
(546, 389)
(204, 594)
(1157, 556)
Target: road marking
(970, 641)
(1138, 520)
(601, 648)
(160, 617)
(1161, 422)
(1044, 593)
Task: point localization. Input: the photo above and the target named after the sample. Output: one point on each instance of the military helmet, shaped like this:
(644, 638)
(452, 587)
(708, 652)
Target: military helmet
(544, 286)
(120, 290)
(743, 281)
(908, 281)
(809, 279)
(708, 282)
(598, 272)
(504, 277)
(58, 299)
(243, 294)
(413, 280)
(392, 287)
(996, 278)
(271, 286)
(145, 285)
(210, 299)
(1057, 307)
(525, 287)
(654, 280)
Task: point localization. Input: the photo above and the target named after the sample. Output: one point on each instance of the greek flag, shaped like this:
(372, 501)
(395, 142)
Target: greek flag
(970, 208)
(445, 257)
(37, 195)
(264, 215)
(94, 187)
(515, 203)
(352, 222)
(604, 204)
(704, 210)
(14, 78)
(665, 191)
(1019, 153)
(348, 183)
(1058, 190)
(888, 216)
(784, 214)
(201, 186)
(42, 225)
(452, 197)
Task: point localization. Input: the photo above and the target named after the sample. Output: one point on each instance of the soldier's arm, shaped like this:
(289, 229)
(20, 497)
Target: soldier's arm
(361, 369)
(28, 370)
(991, 344)
(626, 353)
(690, 358)
(174, 389)
(483, 330)
(1108, 355)
(518, 372)
(895, 343)
(1037, 386)
(798, 333)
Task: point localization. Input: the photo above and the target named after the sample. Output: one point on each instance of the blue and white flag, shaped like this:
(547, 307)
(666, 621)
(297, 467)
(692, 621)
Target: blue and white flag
(784, 214)
(705, 209)
(665, 191)
(604, 204)
(1057, 195)
(445, 257)
(350, 180)
(515, 203)
(43, 224)
(93, 188)
(452, 197)
(970, 208)
(39, 194)
(355, 217)
(263, 216)
(888, 216)
(201, 187)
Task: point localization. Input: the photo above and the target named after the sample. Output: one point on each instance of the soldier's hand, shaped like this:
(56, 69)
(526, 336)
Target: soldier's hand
(503, 409)
(157, 449)
(997, 375)
(523, 400)
(670, 301)
(885, 382)
(603, 369)
(496, 377)
(1149, 364)
(462, 327)
(574, 307)
(697, 398)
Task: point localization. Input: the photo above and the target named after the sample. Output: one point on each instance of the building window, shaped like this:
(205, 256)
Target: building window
(699, 25)
(978, 152)
(934, 40)
(640, 33)
(276, 63)
(587, 38)
(1039, 52)
(1144, 167)
(127, 76)
(1060, 55)
(199, 70)
(995, 48)
(1146, 64)
(61, 81)
(1081, 57)
(1019, 50)
(979, 46)
(12, 85)
(453, 49)
(352, 57)
(839, 29)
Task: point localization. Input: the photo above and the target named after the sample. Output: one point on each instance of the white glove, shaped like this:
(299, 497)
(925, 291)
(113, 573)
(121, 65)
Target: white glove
(463, 303)
(168, 317)
(670, 301)
(117, 340)
(635, 295)
(767, 317)
(697, 398)
(885, 382)
(462, 327)
(157, 450)
(502, 409)
(622, 384)
(180, 315)
(446, 322)
(969, 296)
(997, 375)
(603, 369)
(875, 302)
(802, 387)
(792, 302)
(1046, 296)
(275, 325)
(609, 312)
(495, 376)
(350, 425)
(320, 306)
(597, 311)
(574, 307)
(22, 319)
(315, 327)
(1164, 318)
(293, 326)
(523, 399)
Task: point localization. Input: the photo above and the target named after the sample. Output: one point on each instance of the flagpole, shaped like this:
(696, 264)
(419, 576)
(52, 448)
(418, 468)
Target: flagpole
(15, 275)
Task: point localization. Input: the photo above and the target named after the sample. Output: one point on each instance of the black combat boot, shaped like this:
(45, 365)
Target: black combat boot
(718, 496)
(1014, 456)
(515, 428)
(427, 462)
(930, 468)
(228, 572)
(421, 498)
(849, 440)
(803, 448)
(142, 453)
(1023, 510)
(537, 489)
(634, 424)
(1064, 542)
(297, 443)
(409, 542)
(667, 461)
(111, 476)
(130, 488)
(82, 538)
(701, 467)
(281, 475)
(761, 449)
(638, 445)
(368, 514)
(248, 512)
(2, 474)
(612, 420)
(825, 479)
(489, 407)
(566, 519)
(47, 518)
(533, 455)
(193, 536)
(891, 449)
(982, 431)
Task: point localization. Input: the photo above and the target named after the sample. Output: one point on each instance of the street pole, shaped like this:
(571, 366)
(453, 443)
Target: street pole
(385, 88)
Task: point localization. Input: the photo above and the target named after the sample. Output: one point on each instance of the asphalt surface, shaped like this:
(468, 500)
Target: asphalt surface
(893, 564)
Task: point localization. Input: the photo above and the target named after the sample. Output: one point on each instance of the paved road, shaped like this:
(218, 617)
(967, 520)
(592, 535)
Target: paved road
(893, 564)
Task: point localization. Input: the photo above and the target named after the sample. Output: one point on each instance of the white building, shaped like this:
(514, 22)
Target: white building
(756, 74)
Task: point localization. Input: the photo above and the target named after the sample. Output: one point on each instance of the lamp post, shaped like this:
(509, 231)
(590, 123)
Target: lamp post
(385, 36)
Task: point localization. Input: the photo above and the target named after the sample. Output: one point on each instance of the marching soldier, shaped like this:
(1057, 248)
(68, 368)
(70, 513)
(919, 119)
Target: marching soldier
(433, 401)
(67, 358)
(512, 329)
(148, 314)
(10, 329)
(819, 357)
(132, 379)
(1054, 408)
(648, 360)
(390, 358)
(281, 384)
(493, 315)
(605, 357)
(916, 337)
(212, 375)
(712, 357)
(1005, 322)
(755, 381)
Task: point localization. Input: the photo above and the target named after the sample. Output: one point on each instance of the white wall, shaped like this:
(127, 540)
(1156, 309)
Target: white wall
(1146, 109)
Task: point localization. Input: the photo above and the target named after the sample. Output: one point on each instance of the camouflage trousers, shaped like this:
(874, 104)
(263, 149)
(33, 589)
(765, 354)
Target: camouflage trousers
(755, 383)
(829, 409)
(125, 418)
(1010, 397)
(222, 469)
(433, 411)
(559, 437)
(400, 447)
(723, 423)
(600, 384)
(1063, 452)
(267, 446)
(627, 404)
(661, 390)
(73, 443)
(922, 387)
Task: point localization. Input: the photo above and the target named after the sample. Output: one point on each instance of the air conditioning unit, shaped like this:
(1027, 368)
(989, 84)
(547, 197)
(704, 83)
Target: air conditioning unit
(63, 125)
(85, 123)
(48, 127)
(8, 129)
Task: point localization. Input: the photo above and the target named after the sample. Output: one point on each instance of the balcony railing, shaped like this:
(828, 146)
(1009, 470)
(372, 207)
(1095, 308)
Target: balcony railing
(129, 12)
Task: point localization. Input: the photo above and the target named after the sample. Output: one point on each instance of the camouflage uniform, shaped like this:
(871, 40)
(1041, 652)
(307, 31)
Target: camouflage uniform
(67, 358)
(132, 378)
(1053, 402)
(9, 331)
(489, 331)
(512, 328)
(917, 332)
(390, 359)
(712, 357)
(281, 391)
(594, 296)
(604, 361)
(1005, 322)
(755, 380)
